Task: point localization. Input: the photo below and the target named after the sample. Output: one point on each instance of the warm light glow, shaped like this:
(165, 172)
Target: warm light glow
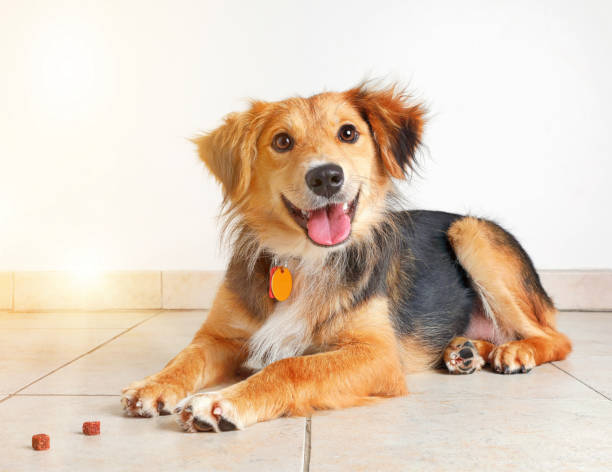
(85, 266)
(86, 274)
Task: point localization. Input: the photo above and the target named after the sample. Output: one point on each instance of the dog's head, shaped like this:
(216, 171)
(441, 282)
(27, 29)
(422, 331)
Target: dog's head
(309, 175)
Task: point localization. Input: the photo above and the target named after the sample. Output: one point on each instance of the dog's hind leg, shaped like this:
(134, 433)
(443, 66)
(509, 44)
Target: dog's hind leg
(511, 295)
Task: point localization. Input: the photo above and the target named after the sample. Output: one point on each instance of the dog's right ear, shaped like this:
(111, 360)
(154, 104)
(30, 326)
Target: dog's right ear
(230, 151)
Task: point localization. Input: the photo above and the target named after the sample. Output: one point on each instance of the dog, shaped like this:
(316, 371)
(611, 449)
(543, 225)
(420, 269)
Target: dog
(365, 292)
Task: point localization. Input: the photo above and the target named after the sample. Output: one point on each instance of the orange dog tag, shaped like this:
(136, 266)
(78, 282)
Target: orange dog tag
(280, 283)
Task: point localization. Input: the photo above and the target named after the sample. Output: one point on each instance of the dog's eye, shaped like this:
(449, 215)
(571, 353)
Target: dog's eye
(348, 134)
(282, 142)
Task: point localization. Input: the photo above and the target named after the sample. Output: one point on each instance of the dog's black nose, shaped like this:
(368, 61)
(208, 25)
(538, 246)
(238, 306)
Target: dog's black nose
(325, 180)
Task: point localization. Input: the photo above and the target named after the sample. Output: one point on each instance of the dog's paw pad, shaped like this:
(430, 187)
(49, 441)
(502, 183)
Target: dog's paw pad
(202, 425)
(461, 357)
(204, 413)
(226, 425)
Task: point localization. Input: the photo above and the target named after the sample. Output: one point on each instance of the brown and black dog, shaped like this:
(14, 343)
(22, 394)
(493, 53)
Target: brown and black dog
(376, 292)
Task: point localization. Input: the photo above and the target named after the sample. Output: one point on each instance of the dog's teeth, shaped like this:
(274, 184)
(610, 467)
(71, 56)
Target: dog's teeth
(304, 214)
(345, 206)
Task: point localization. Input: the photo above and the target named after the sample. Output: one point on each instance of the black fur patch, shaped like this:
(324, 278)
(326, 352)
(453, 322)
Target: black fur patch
(405, 144)
(434, 298)
(372, 261)
(437, 297)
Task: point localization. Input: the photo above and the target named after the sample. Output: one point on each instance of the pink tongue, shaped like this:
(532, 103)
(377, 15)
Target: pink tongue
(329, 226)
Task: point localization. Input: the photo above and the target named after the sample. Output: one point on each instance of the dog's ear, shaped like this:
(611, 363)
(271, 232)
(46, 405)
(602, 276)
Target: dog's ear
(396, 125)
(230, 151)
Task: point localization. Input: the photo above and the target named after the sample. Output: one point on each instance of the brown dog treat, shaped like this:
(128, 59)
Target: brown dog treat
(91, 428)
(40, 442)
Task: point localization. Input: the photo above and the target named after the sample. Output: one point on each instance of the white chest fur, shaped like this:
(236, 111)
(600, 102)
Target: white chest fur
(285, 333)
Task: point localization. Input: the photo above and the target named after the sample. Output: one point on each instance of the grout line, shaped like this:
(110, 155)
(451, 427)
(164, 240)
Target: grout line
(109, 310)
(582, 382)
(80, 357)
(65, 395)
(28, 328)
(307, 445)
(90, 310)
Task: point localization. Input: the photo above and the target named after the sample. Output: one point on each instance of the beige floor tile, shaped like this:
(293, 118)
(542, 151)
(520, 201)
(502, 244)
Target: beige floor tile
(27, 354)
(545, 420)
(591, 359)
(129, 444)
(141, 351)
(423, 433)
(594, 371)
(543, 382)
(74, 320)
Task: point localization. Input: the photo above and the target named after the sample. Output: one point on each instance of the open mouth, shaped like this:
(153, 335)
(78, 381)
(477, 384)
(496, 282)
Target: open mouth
(326, 226)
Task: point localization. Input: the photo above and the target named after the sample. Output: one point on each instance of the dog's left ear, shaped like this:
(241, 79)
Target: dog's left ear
(230, 151)
(396, 125)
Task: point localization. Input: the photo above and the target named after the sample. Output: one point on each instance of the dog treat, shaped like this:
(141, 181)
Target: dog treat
(91, 428)
(40, 442)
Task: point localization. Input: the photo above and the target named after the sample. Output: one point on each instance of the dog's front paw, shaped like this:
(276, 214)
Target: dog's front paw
(148, 398)
(461, 357)
(205, 412)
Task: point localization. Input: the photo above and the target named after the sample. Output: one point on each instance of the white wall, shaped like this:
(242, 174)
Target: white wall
(97, 100)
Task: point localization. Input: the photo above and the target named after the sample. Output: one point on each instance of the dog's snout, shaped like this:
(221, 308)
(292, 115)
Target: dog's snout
(325, 180)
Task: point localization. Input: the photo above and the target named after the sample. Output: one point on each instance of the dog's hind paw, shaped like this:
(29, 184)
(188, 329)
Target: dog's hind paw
(461, 357)
(515, 357)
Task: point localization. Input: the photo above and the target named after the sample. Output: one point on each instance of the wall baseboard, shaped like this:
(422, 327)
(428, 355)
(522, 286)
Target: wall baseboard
(175, 290)
(589, 290)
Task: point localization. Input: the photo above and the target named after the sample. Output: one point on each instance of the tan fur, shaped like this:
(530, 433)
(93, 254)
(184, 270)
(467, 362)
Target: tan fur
(231, 152)
(363, 364)
(415, 356)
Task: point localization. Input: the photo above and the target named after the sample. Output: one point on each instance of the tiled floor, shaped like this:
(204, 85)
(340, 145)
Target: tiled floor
(60, 369)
